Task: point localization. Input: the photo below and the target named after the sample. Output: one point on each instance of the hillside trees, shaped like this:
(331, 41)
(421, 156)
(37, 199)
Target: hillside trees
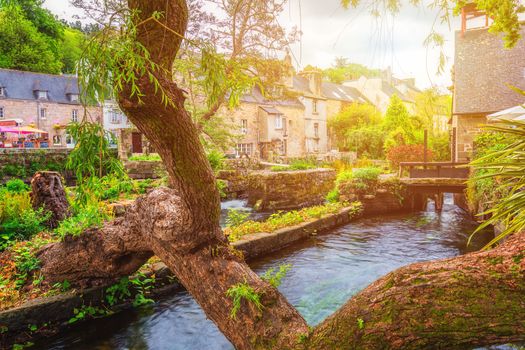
(33, 39)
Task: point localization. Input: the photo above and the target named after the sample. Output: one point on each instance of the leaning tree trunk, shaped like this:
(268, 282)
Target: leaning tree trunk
(473, 299)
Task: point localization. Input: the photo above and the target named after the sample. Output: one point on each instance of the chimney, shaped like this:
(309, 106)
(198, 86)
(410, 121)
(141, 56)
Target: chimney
(289, 72)
(315, 79)
(386, 75)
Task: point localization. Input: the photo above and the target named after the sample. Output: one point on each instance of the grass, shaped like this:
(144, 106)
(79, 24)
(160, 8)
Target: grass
(296, 165)
(152, 157)
(286, 219)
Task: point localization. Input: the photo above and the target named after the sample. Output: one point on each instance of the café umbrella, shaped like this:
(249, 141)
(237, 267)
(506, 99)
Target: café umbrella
(21, 130)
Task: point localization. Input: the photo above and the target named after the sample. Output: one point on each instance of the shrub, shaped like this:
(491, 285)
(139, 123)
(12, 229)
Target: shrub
(90, 216)
(296, 165)
(285, 219)
(16, 186)
(407, 153)
(236, 217)
(27, 224)
(216, 159)
(333, 196)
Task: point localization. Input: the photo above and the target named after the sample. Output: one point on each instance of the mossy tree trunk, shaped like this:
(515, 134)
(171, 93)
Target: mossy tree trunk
(471, 300)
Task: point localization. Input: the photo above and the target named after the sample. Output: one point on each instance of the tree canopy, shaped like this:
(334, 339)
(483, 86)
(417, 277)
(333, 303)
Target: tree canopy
(33, 39)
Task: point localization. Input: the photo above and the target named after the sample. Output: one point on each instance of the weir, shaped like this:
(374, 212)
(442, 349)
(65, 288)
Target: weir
(431, 180)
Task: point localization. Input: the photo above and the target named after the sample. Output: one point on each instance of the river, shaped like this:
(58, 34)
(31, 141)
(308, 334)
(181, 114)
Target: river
(326, 271)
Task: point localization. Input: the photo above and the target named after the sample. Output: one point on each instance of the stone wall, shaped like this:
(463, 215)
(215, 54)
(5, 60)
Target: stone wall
(289, 189)
(139, 170)
(383, 202)
(24, 163)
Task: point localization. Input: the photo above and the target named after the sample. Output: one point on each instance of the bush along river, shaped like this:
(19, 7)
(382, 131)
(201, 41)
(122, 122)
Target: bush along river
(326, 271)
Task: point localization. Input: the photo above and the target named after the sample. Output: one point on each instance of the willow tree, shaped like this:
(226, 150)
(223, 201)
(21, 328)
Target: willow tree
(471, 300)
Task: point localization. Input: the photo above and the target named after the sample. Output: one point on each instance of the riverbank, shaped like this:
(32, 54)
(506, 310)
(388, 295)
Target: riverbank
(44, 316)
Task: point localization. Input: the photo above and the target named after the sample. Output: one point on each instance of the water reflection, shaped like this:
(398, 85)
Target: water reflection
(327, 271)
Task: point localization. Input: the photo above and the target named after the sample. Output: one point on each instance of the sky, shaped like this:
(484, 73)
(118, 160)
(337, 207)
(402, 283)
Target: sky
(329, 31)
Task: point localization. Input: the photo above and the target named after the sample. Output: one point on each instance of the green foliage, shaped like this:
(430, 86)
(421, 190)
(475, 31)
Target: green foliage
(71, 49)
(87, 311)
(118, 292)
(16, 186)
(91, 158)
(366, 142)
(26, 263)
(351, 118)
(286, 219)
(236, 217)
(358, 181)
(397, 116)
(221, 187)
(63, 286)
(499, 169)
(343, 70)
(18, 220)
(216, 159)
(24, 226)
(22, 46)
(243, 291)
(142, 285)
(90, 216)
(296, 165)
(360, 323)
(274, 277)
(333, 196)
(152, 157)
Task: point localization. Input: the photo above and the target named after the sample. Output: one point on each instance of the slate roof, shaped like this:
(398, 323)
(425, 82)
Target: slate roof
(390, 90)
(22, 85)
(483, 70)
(301, 85)
(342, 93)
(256, 96)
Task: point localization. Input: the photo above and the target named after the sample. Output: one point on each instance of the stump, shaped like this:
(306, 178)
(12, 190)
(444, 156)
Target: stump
(48, 192)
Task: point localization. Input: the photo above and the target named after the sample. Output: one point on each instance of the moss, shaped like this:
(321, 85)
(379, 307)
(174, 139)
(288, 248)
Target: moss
(495, 260)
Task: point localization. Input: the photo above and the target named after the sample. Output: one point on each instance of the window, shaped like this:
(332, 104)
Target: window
(57, 140)
(316, 129)
(1, 112)
(73, 97)
(278, 121)
(314, 106)
(43, 113)
(244, 149)
(114, 117)
(244, 126)
(74, 116)
(2, 91)
(42, 95)
(69, 140)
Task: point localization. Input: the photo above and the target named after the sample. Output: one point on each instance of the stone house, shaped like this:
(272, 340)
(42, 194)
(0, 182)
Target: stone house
(294, 124)
(380, 90)
(43, 101)
(114, 121)
(483, 72)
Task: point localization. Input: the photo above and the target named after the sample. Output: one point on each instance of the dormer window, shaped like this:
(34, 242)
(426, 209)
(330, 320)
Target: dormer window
(2, 91)
(73, 98)
(41, 94)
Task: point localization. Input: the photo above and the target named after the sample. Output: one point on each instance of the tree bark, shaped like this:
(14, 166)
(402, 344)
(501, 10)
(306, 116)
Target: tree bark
(48, 192)
(473, 299)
